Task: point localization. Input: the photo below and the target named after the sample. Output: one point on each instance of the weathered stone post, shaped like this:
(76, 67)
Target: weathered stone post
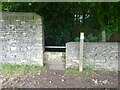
(103, 36)
(81, 51)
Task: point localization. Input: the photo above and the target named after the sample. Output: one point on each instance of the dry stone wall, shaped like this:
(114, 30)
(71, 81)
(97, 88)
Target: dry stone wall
(21, 38)
(97, 54)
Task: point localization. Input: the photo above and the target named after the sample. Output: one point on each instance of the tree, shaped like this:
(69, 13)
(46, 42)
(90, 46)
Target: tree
(62, 26)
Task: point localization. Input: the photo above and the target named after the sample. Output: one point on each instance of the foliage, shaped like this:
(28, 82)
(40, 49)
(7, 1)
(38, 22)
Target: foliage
(60, 23)
(0, 6)
(77, 39)
(111, 29)
(90, 38)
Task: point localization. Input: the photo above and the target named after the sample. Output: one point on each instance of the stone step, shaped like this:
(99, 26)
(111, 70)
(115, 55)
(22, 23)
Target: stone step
(56, 62)
(56, 67)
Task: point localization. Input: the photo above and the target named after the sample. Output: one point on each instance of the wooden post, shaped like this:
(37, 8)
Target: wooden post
(81, 51)
(0, 52)
(1, 80)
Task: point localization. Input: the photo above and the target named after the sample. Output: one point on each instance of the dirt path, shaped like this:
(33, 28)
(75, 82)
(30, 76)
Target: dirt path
(59, 79)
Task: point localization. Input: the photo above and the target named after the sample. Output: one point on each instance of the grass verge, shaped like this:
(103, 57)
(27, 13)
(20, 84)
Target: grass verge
(9, 70)
(87, 71)
(75, 71)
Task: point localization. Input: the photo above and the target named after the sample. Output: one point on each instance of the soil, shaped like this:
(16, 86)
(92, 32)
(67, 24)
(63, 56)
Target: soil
(59, 79)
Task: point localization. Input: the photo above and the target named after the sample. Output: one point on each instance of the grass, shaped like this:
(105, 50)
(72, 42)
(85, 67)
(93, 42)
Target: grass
(9, 70)
(115, 71)
(103, 70)
(72, 71)
(75, 71)
(89, 70)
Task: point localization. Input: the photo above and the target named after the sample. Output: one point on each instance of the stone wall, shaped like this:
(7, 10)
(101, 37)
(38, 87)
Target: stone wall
(22, 42)
(21, 38)
(97, 54)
